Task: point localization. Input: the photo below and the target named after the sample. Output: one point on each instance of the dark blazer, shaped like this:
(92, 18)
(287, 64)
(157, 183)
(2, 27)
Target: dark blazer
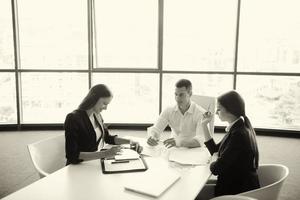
(235, 166)
(80, 136)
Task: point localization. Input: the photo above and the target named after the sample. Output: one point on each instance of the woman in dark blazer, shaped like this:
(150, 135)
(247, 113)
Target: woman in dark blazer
(237, 154)
(85, 130)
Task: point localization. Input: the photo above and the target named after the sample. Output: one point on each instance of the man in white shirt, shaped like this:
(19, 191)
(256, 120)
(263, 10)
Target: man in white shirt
(184, 120)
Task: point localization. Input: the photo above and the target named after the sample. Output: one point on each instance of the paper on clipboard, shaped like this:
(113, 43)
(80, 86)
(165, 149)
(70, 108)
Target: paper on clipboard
(110, 166)
(127, 154)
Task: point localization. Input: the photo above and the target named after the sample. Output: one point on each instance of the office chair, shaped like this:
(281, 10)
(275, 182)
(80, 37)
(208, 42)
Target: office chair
(206, 102)
(48, 155)
(271, 178)
(233, 197)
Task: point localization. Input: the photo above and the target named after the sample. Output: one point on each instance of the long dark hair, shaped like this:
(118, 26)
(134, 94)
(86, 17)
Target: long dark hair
(235, 104)
(95, 93)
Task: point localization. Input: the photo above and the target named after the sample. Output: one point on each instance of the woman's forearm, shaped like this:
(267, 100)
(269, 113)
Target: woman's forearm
(206, 132)
(91, 155)
(121, 141)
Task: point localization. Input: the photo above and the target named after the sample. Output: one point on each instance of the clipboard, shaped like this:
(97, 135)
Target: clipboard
(111, 166)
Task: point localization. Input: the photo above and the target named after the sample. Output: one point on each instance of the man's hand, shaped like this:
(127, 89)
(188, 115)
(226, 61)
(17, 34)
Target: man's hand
(152, 141)
(170, 142)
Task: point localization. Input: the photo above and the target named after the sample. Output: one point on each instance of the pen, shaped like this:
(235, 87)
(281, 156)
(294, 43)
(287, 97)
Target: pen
(122, 147)
(117, 162)
(208, 108)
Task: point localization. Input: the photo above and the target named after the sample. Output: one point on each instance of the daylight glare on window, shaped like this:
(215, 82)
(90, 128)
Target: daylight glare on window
(52, 52)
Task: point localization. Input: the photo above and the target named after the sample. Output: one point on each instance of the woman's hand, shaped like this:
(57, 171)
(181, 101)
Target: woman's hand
(136, 146)
(207, 117)
(110, 153)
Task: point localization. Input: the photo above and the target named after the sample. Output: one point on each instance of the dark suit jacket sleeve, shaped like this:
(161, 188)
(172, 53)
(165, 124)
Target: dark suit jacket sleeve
(228, 156)
(212, 146)
(109, 139)
(72, 138)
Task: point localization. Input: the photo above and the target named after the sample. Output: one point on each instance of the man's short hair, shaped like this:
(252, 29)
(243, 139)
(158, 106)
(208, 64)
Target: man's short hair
(184, 83)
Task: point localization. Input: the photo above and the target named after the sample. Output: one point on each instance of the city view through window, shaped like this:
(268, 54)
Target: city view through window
(140, 50)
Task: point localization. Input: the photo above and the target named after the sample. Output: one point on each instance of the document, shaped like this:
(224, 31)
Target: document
(191, 156)
(123, 166)
(127, 154)
(153, 151)
(152, 183)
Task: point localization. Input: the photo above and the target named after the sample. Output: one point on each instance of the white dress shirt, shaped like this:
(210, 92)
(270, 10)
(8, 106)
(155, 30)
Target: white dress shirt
(97, 129)
(184, 126)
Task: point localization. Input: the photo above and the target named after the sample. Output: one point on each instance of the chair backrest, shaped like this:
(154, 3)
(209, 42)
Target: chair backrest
(48, 155)
(206, 102)
(233, 197)
(271, 178)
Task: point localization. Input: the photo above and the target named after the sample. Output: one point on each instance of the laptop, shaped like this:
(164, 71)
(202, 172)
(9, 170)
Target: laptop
(151, 183)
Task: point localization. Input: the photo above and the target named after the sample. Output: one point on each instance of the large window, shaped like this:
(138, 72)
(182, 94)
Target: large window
(269, 42)
(269, 36)
(6, 36)
(8, 109)
(199, 35)
(48, 97)
(135, 97)
(126, 33)
(272, 101)
(53, 34)
(140, 48)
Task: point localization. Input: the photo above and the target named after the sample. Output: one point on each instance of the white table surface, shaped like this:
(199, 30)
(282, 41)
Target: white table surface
(86, 181)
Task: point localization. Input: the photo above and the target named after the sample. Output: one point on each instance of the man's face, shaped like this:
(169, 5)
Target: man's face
(182, 96)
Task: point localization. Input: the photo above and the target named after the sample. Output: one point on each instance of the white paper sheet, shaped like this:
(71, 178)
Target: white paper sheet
(130, 165)
(127, 154)
(190, 156)
(153, 151)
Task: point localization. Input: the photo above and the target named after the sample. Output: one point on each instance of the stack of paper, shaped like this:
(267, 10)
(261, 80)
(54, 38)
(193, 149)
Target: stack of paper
(191, 156)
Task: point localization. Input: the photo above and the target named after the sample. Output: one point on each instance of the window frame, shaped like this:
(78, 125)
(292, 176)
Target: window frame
(92, 69)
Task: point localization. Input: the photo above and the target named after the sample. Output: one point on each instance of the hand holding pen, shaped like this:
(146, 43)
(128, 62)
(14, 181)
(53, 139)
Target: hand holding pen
(136, 146)
(207, 116)
(109, 153)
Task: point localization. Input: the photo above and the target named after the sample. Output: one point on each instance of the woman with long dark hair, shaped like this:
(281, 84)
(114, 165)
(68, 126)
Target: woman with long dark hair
(237, 154)
(85, 131)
